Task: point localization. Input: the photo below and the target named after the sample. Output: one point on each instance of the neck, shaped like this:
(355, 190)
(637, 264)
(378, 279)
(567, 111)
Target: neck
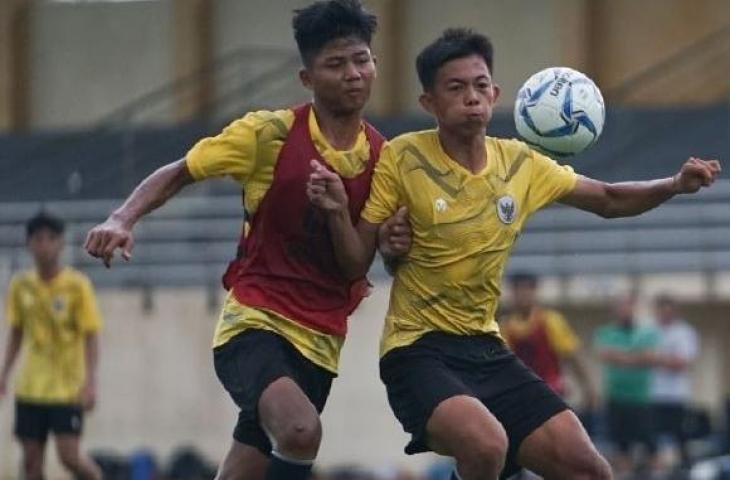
(49, 271)
(469, 150)
(340, 130)
(525, 311)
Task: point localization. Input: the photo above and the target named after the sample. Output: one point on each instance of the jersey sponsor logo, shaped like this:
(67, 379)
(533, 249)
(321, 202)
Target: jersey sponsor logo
(506, 209)
(440, 205)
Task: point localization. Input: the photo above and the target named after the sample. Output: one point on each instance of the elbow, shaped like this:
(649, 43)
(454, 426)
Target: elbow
(608, 213)
(355, 273)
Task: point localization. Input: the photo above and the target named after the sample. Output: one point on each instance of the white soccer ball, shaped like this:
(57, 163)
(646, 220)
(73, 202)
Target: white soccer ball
(559, 111)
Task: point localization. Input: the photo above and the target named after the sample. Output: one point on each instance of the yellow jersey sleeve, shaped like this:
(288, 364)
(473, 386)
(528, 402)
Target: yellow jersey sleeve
(12, 305)
(386, 190)
(88, 312)
(549, 181)
(233, 152)
(562, 338)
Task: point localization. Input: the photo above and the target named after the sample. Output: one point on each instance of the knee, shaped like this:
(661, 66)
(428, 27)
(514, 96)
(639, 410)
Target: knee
(70, 461)
(592, 467)
(483, 456)
(300, 439)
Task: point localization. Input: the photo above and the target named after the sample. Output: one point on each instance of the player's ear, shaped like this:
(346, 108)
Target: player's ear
(426, 101)
(305, 78)
(497, 90)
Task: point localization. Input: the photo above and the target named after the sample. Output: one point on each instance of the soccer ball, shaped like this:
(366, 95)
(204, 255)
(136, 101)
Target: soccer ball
(559, 111)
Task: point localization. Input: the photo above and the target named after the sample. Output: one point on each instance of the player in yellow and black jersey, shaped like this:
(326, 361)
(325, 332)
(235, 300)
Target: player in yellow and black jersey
(451, 380)
(54, 320)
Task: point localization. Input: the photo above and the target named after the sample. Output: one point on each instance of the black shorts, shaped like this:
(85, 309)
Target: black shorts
(250, 362)
(33, 421)
(669, 419)
(630, 424)
(439, 366)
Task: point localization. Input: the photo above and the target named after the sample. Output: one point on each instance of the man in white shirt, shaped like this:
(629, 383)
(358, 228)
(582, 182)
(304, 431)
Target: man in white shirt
(671, 388)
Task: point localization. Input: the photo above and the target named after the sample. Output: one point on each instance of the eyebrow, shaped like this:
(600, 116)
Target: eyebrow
(359, 53)
(463, 81)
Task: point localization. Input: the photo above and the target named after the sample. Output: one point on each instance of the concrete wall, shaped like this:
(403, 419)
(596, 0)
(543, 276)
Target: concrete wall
(517, 56)
(88, 59)
(85, 59)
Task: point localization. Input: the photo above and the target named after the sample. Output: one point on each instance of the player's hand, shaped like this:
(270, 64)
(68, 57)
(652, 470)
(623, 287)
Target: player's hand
(395, 234)
(695, 174)
(103, 240)
(325, 188)
(88, 397)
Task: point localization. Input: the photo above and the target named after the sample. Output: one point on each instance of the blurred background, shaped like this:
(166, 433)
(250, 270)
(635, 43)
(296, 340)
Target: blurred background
(94, 95)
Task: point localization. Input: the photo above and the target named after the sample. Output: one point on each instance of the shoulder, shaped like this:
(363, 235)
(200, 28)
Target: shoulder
(552, 315)
(605, 331)
(413, 140)
(270, 124)
(74, 277)
(21, 278)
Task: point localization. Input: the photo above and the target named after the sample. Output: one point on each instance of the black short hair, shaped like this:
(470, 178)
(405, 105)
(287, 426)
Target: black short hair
(452, 44)
(44, 221)
(327, 20)
(524, 278)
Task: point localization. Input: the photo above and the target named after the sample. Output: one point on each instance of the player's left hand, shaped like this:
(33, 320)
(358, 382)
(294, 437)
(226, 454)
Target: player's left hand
(395, 234)
(88, 397)
(695, 174)
(325, 188)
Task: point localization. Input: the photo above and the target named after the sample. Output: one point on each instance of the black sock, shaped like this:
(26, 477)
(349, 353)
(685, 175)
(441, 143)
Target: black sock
(281, 468)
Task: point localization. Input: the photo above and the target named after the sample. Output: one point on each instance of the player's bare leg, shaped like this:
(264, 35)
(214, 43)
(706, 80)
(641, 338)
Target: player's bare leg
(33, 453)
(74, 460)
(463, 428)
(292, 423)
(243, 462)
(573, 457)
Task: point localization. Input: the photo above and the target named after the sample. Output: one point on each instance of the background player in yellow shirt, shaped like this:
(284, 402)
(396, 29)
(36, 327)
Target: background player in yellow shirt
(53, 316)
(451, 380)
(278, 339)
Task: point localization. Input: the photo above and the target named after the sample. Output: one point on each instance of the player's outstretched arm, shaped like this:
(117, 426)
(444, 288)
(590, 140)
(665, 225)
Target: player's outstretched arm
(626, 199)
(116, 232)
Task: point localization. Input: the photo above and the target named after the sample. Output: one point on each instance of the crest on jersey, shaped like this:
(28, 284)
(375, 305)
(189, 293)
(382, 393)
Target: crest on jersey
(506, 209)
(59, 304)
(440, 205)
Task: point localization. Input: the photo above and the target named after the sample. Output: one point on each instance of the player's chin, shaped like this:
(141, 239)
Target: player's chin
(352, 103)
(474, 124)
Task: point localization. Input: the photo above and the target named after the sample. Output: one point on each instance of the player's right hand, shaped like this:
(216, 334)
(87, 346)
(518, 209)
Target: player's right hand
(325, 188)
(103, 240)
(395, 234)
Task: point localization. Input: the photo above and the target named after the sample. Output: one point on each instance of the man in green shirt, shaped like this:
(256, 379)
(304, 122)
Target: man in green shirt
(625, 349)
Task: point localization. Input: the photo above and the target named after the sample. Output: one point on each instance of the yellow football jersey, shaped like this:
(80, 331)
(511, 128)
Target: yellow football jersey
(247, 151)
(464, 227)
(55, 318)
